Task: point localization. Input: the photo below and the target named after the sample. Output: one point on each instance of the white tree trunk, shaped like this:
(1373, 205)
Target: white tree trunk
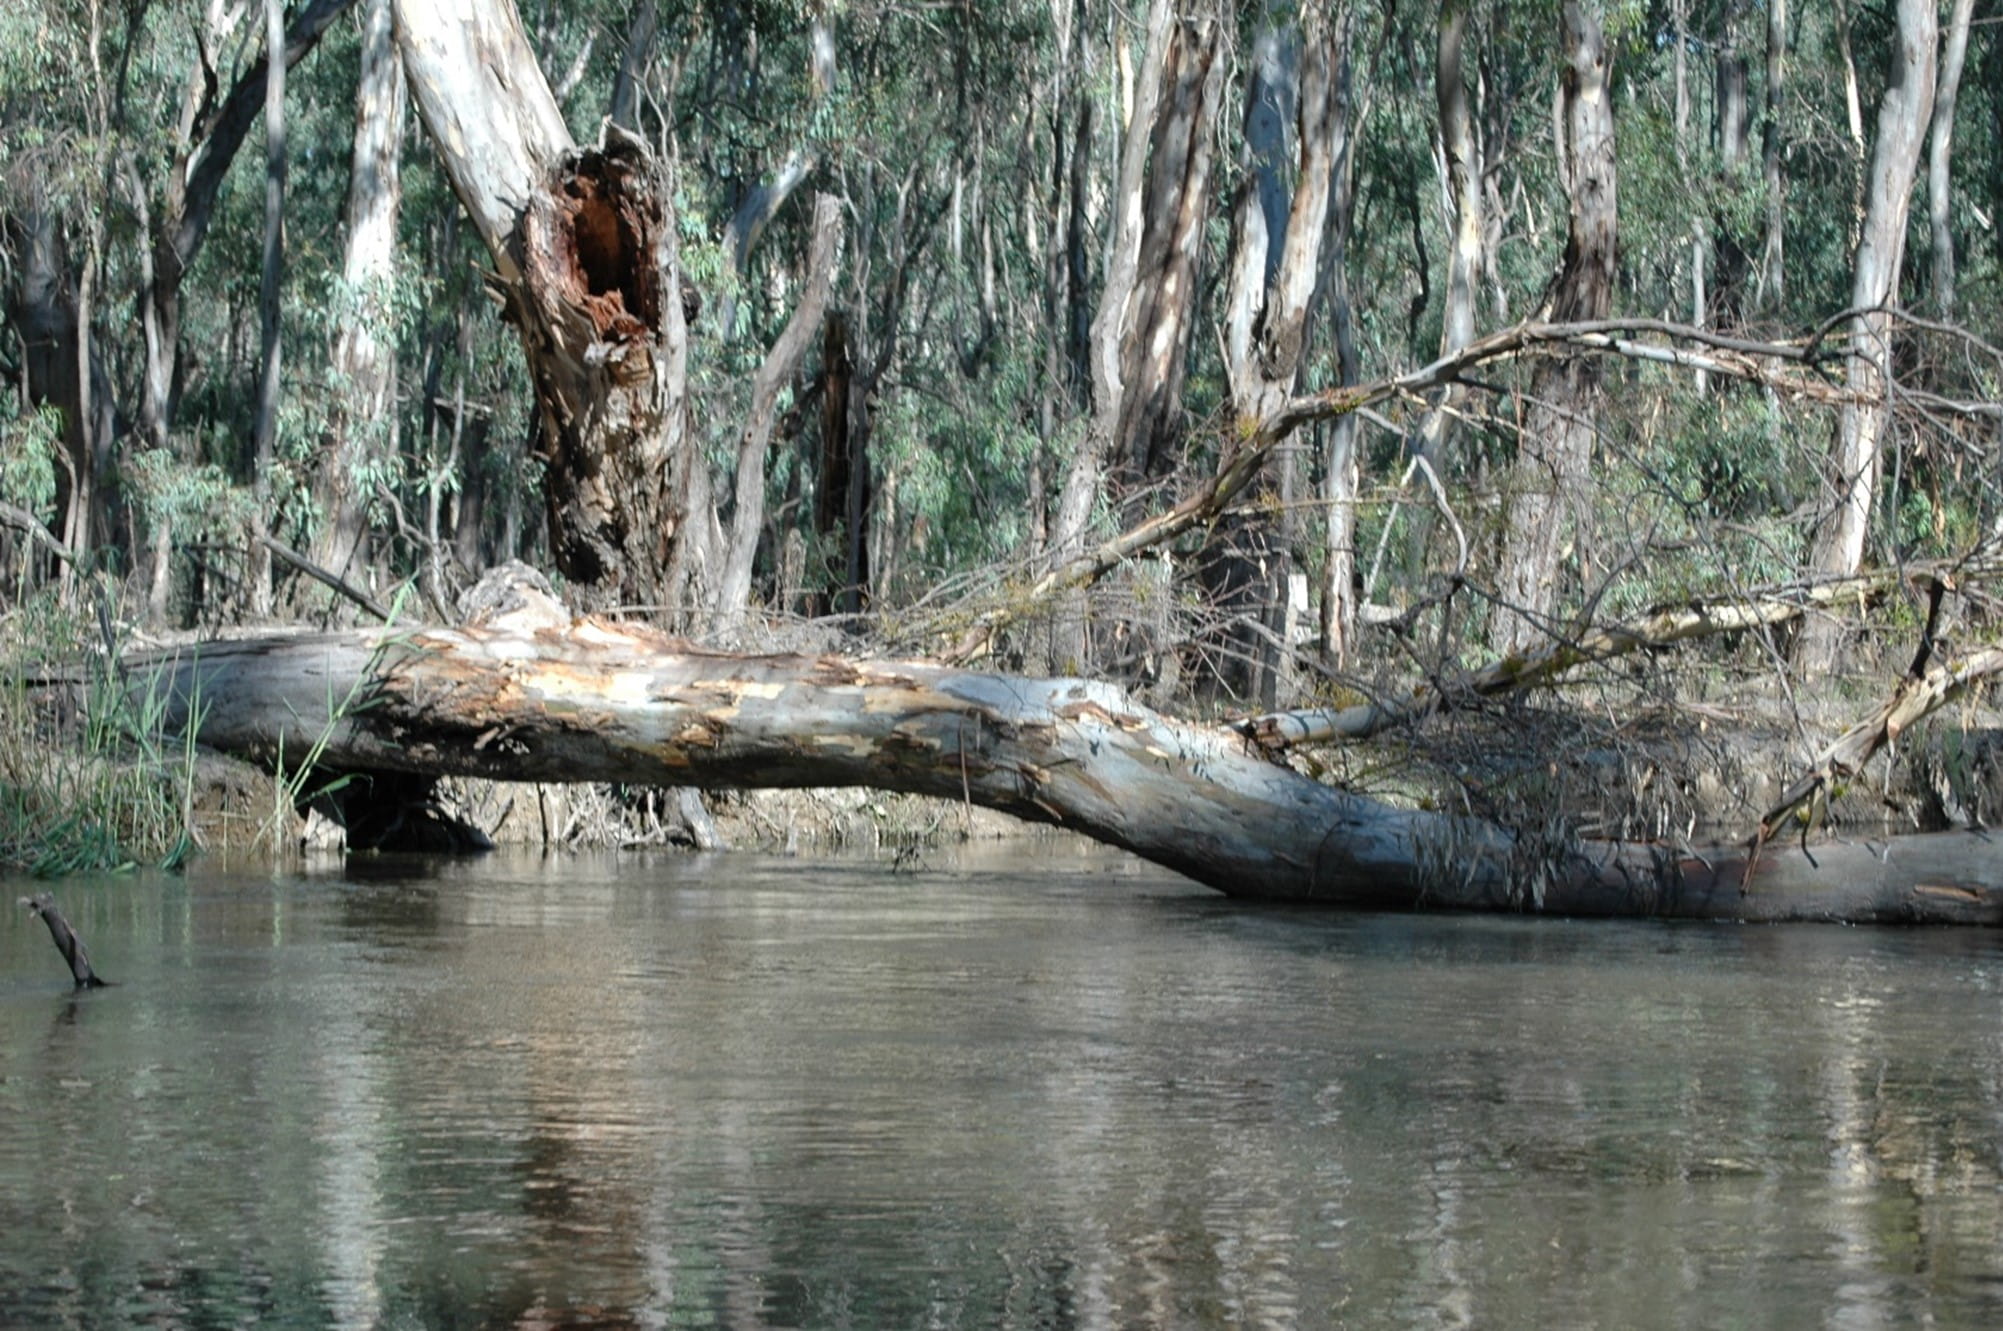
(1550, 480)
(363, 358)
(1854, 463)
(542, 698)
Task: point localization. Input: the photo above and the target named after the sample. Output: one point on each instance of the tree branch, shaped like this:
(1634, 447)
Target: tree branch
(1252, 442)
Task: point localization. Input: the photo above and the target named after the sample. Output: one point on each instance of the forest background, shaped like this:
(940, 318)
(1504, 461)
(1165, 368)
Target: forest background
(1067, 336)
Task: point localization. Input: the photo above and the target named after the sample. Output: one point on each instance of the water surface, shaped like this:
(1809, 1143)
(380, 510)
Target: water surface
(1022, 1088)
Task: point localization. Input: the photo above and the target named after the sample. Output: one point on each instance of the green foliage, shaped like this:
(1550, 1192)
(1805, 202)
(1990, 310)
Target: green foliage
(947, 140)
(193, 502)
(29, 443)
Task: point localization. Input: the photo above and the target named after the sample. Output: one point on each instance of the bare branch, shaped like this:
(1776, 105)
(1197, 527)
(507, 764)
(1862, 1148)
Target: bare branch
(1252, 442)
(1659, 628)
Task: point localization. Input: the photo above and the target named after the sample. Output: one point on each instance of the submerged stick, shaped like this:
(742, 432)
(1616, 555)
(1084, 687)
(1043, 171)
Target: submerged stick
(66, 941)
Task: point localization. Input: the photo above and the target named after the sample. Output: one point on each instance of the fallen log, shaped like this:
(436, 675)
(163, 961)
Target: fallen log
(535, 699)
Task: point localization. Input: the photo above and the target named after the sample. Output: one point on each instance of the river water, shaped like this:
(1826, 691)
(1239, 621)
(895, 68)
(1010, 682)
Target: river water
(1024, 1087)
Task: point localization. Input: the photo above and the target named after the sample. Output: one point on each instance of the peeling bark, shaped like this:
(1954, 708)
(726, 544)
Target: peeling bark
(583, 241)
(541, 698)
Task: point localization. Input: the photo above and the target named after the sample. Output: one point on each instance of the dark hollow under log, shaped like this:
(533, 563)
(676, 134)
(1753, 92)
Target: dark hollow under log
(545, 699)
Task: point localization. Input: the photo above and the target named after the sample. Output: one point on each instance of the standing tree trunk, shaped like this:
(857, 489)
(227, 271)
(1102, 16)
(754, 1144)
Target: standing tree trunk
(1139, 336)
(1556, 452)
(1339, 463)
(362, 423)
(1772, 284)
(206, 139)
(631, 81)
(781, 363)
(1458, 160)
(1940, 154)
(1732, 132)
(1275, 271)
(270, 291)
(583, 243)
(1085, 474)
(840, 471)
(59, 360)
(1854, 464)
(1156, 347)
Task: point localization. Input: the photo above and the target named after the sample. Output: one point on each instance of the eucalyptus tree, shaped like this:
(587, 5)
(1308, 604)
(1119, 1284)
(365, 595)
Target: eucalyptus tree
(1940, 155)
(361, 422)
(584, 247)
(1549, 482)
(1855, 461)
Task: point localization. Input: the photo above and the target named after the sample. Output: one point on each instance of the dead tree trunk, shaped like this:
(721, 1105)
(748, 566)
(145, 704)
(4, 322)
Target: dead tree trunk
(583, 243)
(67, 943)
(536, 697)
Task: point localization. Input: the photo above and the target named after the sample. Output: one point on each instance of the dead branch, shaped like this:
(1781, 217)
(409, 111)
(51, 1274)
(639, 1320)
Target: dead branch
(1922, 691)
(1252, 441)
(1663, 627)
(66, 941)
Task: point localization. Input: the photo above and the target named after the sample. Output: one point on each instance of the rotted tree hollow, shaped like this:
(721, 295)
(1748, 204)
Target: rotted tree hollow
(607, 349)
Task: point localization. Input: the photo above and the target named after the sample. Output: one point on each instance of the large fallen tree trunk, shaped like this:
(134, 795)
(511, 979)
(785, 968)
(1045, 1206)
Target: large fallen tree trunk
(590, 700)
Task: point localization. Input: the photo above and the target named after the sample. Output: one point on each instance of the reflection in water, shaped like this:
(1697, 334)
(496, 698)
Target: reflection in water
(1046, 1092)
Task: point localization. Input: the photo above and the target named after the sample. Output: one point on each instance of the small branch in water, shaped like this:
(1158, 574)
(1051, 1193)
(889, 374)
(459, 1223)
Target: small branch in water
(66, 941)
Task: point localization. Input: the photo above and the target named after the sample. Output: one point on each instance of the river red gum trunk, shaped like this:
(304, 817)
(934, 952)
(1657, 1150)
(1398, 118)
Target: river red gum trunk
(592, 700)
(583, 245)
(607, 344)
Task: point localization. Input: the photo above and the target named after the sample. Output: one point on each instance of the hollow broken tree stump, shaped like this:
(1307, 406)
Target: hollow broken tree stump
(546, 698)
